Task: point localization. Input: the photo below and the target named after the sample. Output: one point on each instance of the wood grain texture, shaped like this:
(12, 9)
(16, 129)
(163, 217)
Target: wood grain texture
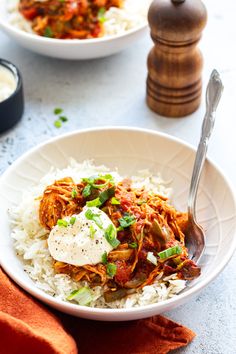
(175, 62)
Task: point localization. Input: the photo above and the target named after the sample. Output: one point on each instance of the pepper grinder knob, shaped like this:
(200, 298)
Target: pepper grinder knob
(175, 63)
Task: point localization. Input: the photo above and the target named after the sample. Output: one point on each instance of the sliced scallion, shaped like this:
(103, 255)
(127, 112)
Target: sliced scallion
(72, 220)
(133, 245)
(57, 123)
(58, 110)
(104, 258)
(105, 195)
(151, 258)
(48, 32)
(86, 191)
(92, 231)
(95, 181)
(63, 119)
(110, 236)
(83, 296)
(171, 251)
(127, 220)
(94, 203)
(102, 198)
(74, 193)
(62, 223)
(95, 217)
(111, 269)
(115, 201)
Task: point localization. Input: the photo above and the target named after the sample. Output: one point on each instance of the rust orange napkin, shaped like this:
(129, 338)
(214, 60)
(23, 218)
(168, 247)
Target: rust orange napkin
(27, 326)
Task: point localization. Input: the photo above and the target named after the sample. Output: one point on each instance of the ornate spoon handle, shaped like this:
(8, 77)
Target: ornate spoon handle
(213, 94)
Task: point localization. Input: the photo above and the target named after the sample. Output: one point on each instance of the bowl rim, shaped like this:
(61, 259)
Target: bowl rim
(27, 35)
(80, 310)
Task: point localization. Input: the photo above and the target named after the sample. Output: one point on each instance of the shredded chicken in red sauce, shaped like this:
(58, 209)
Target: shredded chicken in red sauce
(153, 226)
(67, 19)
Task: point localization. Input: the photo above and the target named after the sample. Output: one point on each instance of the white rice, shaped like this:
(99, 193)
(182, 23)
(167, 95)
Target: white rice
(30, 241)
(118, 20)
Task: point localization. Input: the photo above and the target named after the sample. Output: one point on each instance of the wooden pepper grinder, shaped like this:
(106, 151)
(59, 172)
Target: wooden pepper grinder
(174, 82)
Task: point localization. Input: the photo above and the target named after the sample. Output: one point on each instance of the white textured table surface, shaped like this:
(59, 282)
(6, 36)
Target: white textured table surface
(111, 91)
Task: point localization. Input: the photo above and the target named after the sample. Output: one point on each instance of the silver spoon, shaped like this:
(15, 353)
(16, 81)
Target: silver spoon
(195, 237)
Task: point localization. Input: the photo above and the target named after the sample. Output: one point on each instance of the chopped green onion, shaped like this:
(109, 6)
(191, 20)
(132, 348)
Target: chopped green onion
(72, 220)
(111, 269)
(114, 201)
(127, 220)
(93, 181)
(172, 251)
(102, 198)
(92, 231)
(57, 124)
(120, 228)
(89, 180)
(102, 19)
(107, 176)
(105, 195)
(133, 245)
(94, 203)
(101, 13)
(48, 32)
(63, 119)
(58, 111)
(86, 191)
(151, 258)
(110, 236)
(104, 258)
(95, 217)
(99, 185)
(74, 193)
(83, 296)
(140, 202)
(61, 222)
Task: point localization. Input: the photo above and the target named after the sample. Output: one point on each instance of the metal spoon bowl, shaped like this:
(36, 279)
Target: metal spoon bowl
(195, 237)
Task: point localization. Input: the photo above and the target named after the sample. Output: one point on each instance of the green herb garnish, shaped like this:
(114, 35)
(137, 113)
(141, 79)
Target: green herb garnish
(94, 181)
(72, 220)
(74, 193)
(57, 124)
(127, 220)
(58, 111)
(82, 296)
(94, 217)
(86, 191)
(133, 245)
(105, 195)
(102, 198)
(92, 231)
(104, 258)
(94, 203)
(111, 269)
(63, 223)
(48, 32)
(63, 119)
(115, 201)
(110, 236)
(140, 202)
(101, 13)
(172, 251)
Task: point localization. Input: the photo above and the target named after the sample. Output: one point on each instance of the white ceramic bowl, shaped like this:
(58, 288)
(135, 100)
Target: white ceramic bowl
(69, 49)
(130, 150)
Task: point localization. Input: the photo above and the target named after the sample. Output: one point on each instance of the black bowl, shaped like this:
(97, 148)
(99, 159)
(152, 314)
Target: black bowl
(12, 108)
